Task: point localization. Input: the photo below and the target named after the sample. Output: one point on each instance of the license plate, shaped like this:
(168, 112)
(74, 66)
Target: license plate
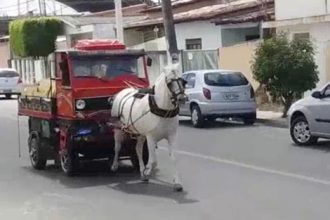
(231, 96)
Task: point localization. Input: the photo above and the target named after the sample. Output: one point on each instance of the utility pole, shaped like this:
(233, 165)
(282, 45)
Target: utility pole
(27, 8)
(39, 4)
(119, 20)
(54, 7)
(170, 35)
(19, 7)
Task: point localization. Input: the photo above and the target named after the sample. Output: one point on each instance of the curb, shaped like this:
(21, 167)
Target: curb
(273, 123)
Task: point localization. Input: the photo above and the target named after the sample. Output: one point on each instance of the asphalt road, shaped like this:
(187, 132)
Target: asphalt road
(229, 171)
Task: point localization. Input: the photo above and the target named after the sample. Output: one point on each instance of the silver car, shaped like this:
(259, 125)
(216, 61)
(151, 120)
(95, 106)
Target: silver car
(10, 82)
(216, 94)
(309, 118)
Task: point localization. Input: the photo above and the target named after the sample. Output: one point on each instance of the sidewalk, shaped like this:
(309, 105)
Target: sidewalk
(273, 119)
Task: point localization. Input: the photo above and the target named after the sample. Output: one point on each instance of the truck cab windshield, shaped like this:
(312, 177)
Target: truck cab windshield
(108, 67)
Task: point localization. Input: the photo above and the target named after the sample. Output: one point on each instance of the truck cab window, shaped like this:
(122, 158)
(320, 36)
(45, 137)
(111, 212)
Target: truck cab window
(64, 67)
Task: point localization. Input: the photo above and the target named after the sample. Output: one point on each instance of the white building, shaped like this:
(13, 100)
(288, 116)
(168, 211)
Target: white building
(203, 25)
(306, 19)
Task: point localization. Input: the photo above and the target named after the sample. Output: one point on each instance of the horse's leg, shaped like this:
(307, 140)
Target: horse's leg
(139, 151)
(152, 156)
(119, 137)
(171, 149)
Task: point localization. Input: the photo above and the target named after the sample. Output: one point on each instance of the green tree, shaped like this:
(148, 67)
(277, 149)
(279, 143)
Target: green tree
(34, 37)
(286, 68)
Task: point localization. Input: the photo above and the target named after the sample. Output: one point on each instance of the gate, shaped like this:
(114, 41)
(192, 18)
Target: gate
(200, 59)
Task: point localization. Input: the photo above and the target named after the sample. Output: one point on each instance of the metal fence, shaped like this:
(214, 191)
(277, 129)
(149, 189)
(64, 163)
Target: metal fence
(33, 70)
(189, 60)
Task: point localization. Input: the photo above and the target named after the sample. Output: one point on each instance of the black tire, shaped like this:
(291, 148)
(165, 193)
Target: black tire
(69, 162)
(8, 96)
(301, 137)
(250, 119)
(197, 118)
(38, 161)
(145, 156)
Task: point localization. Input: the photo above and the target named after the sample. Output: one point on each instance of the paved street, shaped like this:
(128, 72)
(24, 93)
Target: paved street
(229, 172)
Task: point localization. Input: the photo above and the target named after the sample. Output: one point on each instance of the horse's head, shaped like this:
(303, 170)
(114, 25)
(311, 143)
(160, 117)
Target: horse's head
(176, 84)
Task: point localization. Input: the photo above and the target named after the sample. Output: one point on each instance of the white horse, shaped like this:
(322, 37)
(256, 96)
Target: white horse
(153, 117)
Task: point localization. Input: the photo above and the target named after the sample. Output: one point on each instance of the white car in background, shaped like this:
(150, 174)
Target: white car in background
(309, 118)
(10, 82)
(216, 94)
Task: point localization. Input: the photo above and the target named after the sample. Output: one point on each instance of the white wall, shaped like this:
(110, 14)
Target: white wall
(288, 9)
(132, 37)
(104, 31)
(153, 45)
(320, 36)
(208, 32)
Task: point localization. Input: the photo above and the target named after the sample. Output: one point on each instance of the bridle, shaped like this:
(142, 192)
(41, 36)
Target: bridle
(181, 85)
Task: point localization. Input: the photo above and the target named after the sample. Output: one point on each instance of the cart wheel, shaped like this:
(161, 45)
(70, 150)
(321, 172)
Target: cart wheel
(69, 162)
(38, 162)
(145, 156)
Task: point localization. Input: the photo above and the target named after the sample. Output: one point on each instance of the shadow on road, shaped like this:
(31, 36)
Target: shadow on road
(223, 124)
(94, 173)
(126, 180)
(321, 146)
(155, 188)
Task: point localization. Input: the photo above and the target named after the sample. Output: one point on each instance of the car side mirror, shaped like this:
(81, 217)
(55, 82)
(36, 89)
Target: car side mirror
(317, 95)
(149, 61)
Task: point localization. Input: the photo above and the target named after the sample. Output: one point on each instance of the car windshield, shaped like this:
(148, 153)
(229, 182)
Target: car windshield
(8, 74)
(108, 67)
(225, 79)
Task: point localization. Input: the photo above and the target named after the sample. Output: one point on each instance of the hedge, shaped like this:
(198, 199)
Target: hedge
(34, 37)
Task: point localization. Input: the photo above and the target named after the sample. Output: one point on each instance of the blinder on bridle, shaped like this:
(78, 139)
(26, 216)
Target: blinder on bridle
(177, 90)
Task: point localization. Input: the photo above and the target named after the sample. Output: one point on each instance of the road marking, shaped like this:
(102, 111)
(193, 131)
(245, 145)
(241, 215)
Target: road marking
(252, 167)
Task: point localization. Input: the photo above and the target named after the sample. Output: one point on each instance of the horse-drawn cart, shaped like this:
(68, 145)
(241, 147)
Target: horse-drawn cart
(69, 114)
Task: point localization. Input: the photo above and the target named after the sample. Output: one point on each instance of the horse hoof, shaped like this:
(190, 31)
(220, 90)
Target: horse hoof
(147, 172)
(114, 168)
(178, 187)
(144, 179)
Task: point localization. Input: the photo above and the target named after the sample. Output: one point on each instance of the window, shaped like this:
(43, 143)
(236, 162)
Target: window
(8, 74)
(225, 79)
(327, 91)
(194, 44)
(252, 37)
(65, 73)
(107, 67)
(301, 36)
(191, 80)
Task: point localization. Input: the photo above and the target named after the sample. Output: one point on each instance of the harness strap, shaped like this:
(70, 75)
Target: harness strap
(121, 104)
(161, 112)
(131, 118)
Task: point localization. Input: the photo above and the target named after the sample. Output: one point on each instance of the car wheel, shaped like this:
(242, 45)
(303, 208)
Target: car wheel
(249, 121)
(300, 132)
(8, 96)
(69, 162)
(38, 162)
(197, 118)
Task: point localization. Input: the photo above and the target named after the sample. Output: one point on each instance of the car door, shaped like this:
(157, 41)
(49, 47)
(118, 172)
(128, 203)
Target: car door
(321, 113)
(191, 81)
